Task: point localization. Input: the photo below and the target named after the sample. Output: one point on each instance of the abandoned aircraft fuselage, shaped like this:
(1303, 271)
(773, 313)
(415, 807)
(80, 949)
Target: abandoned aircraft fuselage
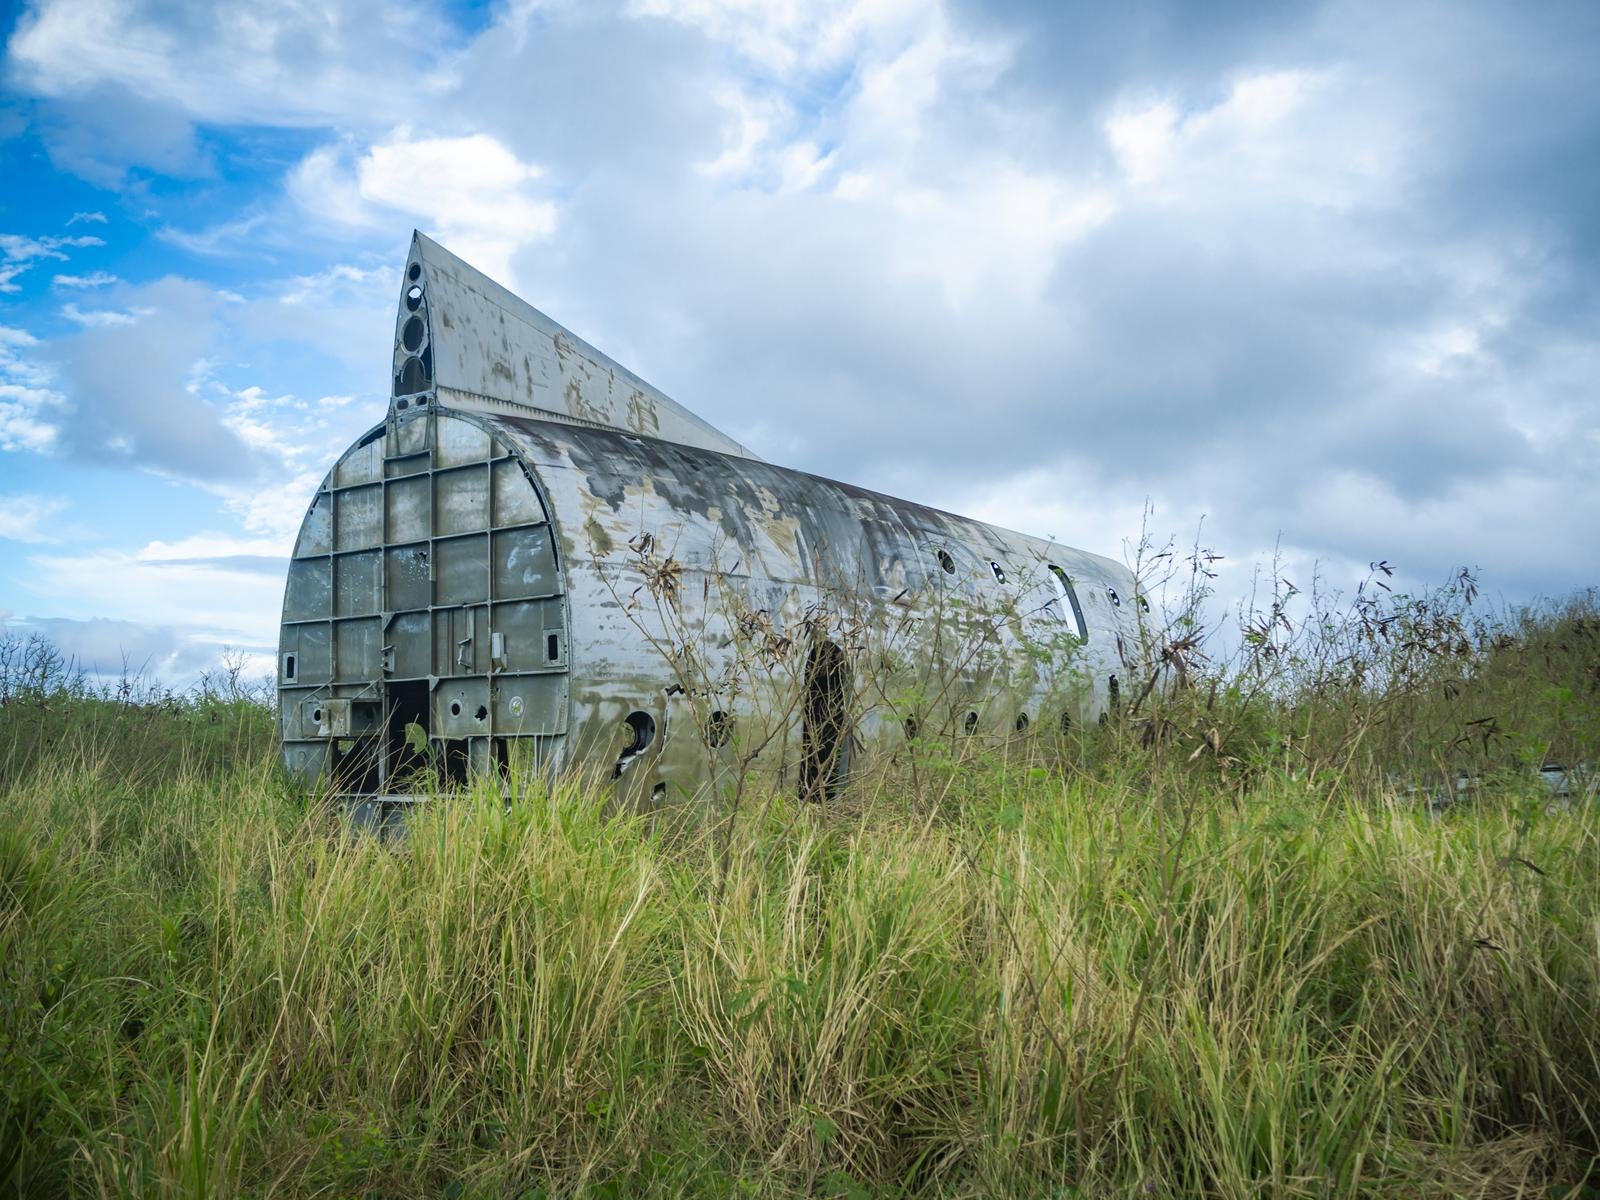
(538, 553)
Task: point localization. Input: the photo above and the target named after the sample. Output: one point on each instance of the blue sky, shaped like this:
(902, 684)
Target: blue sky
(1323, 275)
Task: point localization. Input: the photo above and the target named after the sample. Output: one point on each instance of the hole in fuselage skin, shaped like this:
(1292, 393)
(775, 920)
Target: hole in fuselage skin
(412, 378)
(411, 334)
(1022, 722)
(946, 563)
(971, 723)
(455, 708)
(825, 730)
(1066, 722)
(482, 714)
(999, 572)
(912, 729)
(413, 298)
(719, 728)
(640, 733)
(415, 273)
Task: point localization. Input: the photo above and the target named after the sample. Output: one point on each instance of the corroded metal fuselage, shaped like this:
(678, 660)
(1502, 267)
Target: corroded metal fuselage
(573, 569)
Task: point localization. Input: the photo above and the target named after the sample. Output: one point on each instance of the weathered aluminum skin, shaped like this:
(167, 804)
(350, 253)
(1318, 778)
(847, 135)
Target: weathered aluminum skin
(477, 347)
(508, 578)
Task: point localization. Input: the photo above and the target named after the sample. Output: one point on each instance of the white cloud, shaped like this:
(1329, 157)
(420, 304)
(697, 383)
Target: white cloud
(26, 399)
(23, 424)
(793, 36)
(153, 418)
(289, 64)
(1143, 139)
(97, 279)
(23, 517)
(18, 253)
(1279, 142)
(308, 289)
(470, 191)
(101, 317)
(216, 239)
(87, 218)
(212, 546)
(345, 311)
(221, 594)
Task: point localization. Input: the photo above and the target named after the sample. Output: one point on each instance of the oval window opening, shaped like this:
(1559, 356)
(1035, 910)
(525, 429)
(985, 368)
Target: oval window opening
(971, 723)
(1022, 722)
(413, 299)
(411, 333)
(641, 730)
(1116, 600)
(946, 563)
(1069, 599)
(999, 572)
(412, 378)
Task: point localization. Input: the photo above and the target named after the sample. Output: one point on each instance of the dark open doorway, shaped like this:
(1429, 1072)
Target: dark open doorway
(406, 733)
(825, 738)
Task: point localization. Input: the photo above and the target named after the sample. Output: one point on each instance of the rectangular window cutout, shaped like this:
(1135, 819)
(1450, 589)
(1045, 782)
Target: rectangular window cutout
(552, 647)
(288, 668)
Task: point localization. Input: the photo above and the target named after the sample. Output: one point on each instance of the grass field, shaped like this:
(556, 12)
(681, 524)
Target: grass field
(1219, 948)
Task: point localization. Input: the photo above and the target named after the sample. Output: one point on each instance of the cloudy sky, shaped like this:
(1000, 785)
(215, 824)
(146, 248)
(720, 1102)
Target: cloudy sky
(1323, 275)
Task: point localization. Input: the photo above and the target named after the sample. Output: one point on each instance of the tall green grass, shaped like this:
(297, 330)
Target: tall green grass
(1219, 947)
